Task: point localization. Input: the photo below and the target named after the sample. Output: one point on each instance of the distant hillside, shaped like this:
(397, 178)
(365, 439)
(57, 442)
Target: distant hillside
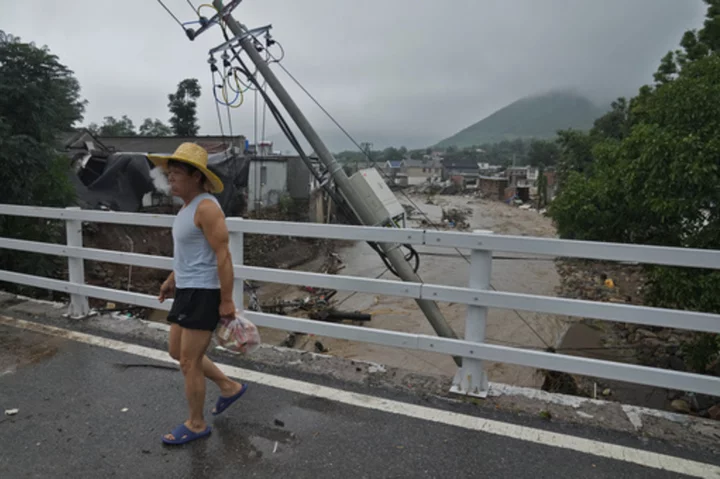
(533, 117)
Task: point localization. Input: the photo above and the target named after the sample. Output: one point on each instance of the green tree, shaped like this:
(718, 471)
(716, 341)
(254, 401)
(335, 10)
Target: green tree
(155, 127)
(543, 152)
(39, 99)
(656, 181)
(39, 96)
(183, 107)
(112, 127)
(391, 154)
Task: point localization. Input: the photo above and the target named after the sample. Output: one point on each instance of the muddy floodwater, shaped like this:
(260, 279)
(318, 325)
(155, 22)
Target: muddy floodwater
(511, 272)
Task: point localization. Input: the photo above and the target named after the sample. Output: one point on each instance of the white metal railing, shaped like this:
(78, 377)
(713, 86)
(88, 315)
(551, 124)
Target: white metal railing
(471, 378)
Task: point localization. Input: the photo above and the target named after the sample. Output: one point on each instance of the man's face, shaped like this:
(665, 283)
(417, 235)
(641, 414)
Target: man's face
(181, 182)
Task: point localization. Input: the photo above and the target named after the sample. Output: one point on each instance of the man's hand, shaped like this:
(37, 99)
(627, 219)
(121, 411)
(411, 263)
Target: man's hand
(227, 309)
(166, 290)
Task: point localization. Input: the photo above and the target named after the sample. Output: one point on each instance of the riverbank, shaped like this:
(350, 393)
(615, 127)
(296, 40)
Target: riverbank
(629, 343)
(447, 267)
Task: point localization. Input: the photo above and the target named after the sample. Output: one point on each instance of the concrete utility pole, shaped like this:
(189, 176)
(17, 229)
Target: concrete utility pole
(392, 251)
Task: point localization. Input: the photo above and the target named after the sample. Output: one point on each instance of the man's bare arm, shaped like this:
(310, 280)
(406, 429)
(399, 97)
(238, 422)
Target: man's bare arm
(211, 220)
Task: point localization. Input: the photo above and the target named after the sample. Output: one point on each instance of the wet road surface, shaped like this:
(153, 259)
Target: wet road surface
(87, 411)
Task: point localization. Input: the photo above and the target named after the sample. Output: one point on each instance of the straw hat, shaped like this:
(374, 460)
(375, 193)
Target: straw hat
(194, 155)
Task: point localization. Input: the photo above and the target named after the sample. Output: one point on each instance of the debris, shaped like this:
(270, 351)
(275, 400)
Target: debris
(275, 448)
(332, 315)
(320, 348)
(644, 333)
(377, 368)
(11, 412)
(124, 409)
(680, 405)
(278, 422)
(606, 392)
(609, 283)
(290, 341)
(714, 412)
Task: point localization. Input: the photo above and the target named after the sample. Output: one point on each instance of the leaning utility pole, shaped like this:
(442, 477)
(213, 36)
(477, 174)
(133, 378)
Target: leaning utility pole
(392, 251)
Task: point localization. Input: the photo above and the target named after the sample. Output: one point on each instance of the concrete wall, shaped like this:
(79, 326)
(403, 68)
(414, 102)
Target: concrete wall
(267, 182)
(298, 179)
(493, 189)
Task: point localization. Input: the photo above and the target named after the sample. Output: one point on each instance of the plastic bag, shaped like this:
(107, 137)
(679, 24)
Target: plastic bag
(238, 335)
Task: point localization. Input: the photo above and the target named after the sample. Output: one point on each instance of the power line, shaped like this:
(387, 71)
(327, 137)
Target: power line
(172, 14)
(384, 174)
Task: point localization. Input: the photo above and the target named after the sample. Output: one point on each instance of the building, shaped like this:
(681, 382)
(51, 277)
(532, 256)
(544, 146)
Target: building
(270, 178)
(461, 170)
(523, 176)
(419, 171)
(493, 187)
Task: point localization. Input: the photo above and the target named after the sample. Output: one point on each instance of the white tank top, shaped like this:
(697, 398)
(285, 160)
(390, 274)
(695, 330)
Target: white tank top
(194, 261)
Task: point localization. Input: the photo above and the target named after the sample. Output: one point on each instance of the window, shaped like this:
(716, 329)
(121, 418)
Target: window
(263, 175)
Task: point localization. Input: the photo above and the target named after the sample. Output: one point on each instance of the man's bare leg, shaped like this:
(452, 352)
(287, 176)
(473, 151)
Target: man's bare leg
(192, 350)
(227, 386)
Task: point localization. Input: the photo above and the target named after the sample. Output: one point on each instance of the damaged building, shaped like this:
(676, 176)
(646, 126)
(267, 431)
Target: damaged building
(114, 172)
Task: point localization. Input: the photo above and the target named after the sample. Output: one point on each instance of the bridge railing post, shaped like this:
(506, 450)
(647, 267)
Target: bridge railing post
(237, 243)
(471, 378)
(79, 307)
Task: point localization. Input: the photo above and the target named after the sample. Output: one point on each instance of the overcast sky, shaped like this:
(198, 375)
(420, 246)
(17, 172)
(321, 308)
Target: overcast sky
(392, 71)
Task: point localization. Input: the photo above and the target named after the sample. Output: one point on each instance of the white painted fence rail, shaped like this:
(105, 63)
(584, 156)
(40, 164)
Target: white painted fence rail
(470, 378)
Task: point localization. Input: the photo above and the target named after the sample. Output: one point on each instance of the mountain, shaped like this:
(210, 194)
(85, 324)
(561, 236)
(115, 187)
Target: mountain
(532, 117)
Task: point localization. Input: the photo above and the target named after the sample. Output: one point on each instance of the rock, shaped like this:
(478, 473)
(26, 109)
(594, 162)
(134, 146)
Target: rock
(652, 342)
(680, 405)
(644, 333)
(664, 334)
(677, 364)
(701, 402)
(714, 412)
(673, 395)
(671, 350)
(674, 340)
(664, 362)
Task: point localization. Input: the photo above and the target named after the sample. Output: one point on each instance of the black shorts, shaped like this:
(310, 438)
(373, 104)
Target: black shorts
(196, 309)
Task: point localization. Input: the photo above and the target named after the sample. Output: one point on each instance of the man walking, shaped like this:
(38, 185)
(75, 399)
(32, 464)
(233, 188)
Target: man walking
(202, 282)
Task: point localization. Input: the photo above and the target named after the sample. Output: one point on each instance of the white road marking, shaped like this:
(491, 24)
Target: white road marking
(513, 431)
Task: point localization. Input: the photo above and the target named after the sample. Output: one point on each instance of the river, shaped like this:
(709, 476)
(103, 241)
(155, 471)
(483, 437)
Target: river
(535, 275)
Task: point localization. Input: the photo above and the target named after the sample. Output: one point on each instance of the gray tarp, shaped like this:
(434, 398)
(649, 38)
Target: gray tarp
(126, 178)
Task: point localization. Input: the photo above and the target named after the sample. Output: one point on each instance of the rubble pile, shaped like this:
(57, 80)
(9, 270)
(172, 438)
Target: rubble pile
(456, 218)
(650, 346)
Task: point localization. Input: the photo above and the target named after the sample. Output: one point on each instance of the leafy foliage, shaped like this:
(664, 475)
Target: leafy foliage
(155, 127)
(113, 127)
(39, 99)
(184, 108)
(39, 96)
(648, 172)
(543, 152)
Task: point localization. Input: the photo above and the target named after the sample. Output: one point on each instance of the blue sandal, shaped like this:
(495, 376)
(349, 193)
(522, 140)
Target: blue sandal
(183, 435)
(224, 403)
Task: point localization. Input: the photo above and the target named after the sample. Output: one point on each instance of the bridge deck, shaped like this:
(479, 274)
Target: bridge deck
(94, 411)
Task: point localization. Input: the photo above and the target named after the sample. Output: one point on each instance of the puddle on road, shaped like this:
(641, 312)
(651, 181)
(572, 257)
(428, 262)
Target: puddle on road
(18, 350)
(252, 442)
